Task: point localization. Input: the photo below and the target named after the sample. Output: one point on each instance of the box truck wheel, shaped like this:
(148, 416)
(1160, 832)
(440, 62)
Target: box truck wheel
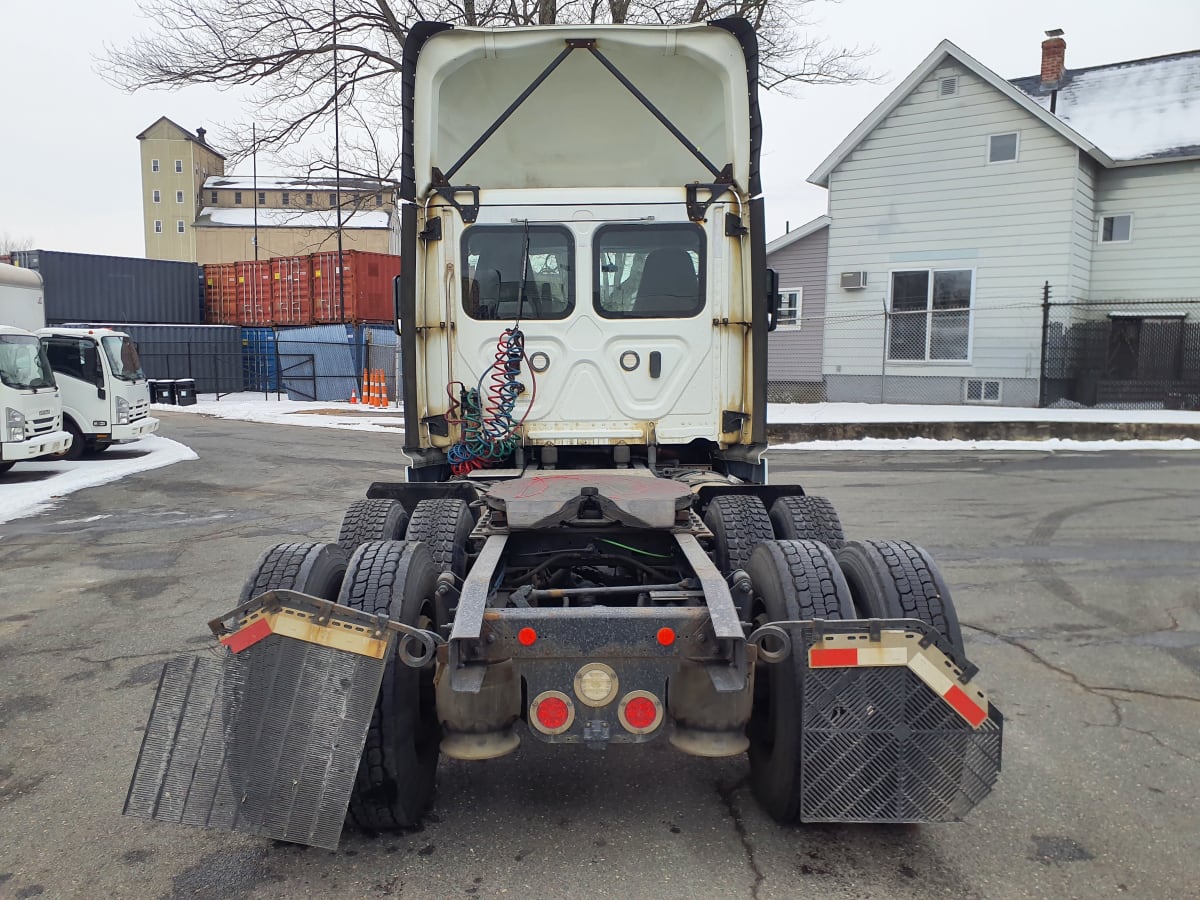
(395, 781)
(372, 520)
(75, 451)
(807, 519)
(5, 466)
(792, 580)
(95, 448)
(899, 580)
(739, 523)
(314, 569)
(444, 527)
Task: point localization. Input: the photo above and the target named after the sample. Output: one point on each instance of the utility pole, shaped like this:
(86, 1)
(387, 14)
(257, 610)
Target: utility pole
(1045, 343)
(337, 167)
(254, 169)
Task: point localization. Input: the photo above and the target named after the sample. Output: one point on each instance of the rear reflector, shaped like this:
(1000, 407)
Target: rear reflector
(527, 637)
(666, 636)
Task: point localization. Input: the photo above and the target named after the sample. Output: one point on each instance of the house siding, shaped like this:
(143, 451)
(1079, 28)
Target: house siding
(794, 354)
(1162, 260)
(918, 192)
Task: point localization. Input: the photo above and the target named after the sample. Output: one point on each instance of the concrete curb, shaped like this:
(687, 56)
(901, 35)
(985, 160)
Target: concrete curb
(799, 432)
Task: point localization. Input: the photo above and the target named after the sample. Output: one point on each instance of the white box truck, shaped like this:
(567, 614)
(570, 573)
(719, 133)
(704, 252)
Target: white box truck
(29, 396)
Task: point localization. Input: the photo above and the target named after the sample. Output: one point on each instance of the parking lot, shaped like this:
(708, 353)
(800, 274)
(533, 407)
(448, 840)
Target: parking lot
(1077, 579)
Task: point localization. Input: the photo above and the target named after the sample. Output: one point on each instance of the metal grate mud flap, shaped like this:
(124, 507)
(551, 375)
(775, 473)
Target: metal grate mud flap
(264, 736)
(891, 730)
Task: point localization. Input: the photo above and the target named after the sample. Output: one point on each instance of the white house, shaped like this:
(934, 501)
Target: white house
(963, 193)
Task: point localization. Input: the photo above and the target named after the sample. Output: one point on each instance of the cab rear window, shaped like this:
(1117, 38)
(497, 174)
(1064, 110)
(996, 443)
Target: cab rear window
(513, 272)
(648, 271)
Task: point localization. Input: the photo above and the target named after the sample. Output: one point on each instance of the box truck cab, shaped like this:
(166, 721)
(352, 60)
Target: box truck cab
(30, 400)
(105, 395)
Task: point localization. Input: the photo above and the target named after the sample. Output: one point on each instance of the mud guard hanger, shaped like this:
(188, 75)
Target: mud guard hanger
(722, 178)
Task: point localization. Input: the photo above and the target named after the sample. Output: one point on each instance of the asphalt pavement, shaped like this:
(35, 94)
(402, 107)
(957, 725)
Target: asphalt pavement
(1076, 578)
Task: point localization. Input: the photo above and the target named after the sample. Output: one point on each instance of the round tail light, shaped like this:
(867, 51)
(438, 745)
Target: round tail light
(551, 712)
(640, 712)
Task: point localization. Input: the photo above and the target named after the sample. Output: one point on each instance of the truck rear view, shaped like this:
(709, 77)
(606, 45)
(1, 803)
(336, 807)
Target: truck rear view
(586, 549)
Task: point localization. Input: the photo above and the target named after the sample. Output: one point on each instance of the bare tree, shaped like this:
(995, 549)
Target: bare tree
(282, 52)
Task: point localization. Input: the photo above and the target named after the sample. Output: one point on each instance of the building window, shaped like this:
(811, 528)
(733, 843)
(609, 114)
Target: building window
(1116, 229)
(156, 196)
(308, 199)
(262, 198)
(1003, 147)
(179, 167)
(179, 226)
(287, 199)
(982, 390)
(791, 301)
(379, 199)
(333, 199)
(930, 315)
(158, 226)
(179, 196)
(154, 165)
(214, 196)
(237, 196)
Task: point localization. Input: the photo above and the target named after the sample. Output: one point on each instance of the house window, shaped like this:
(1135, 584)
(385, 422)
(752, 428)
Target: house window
(333, 199)
(791, 302)
(179, 196)
(154, 165)
(308, 199)
(262, 198)
(1003, 147)
(179, 167)
(379, 199)
(237, 196)
(158, 226)
(982, 390)
(1116, 229)
(947, 87)
(179, 226)
(156, 196)
(287, 199)
(930, 316)
(214, 196)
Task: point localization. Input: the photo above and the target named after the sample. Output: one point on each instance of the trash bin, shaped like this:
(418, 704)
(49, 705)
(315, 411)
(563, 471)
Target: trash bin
(185, 391)
(162, 392)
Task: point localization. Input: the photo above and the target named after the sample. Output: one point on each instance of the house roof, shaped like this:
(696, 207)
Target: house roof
(943, 51)
(184, 132)
(293, 183)
(290, 217)
(797, 233)
(1141, 110)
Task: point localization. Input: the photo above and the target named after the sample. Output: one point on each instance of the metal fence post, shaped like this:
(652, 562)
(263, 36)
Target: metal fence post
(1045, 343)
(883, 357)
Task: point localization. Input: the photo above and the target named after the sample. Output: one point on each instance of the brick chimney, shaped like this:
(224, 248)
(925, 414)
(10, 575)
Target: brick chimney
(1054, 57)
(200, 132)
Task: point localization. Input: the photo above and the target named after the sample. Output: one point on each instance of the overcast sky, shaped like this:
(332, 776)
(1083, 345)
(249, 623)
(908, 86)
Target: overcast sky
(69, 175)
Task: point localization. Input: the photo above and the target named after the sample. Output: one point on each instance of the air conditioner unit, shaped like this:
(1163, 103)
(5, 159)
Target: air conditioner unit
(854, 281)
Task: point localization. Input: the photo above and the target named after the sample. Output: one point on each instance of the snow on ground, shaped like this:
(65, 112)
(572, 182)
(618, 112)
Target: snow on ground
(32, 487)
(281, 411)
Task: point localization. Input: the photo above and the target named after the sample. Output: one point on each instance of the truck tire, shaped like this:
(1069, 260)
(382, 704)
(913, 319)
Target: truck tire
(807, 519)
(75, 451)
(899, 580)
(5, 466)
(792, 580)
(444, 527)
(310, 568)
(395, 782)
(739, 523)
(372, 520)
(95, 448)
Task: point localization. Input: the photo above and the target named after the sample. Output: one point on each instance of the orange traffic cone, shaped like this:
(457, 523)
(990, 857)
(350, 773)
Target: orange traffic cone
(374, 389)
(366, 386)
(383, 395)
(354, 396)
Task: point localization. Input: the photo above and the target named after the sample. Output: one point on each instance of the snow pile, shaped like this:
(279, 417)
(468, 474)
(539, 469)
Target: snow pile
(853, 413)
(32, 487)
(1049, 445)
(270, 410)
(273, 217)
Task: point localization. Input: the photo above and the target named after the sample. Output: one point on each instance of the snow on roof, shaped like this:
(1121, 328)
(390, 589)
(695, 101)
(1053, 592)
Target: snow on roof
(270, 217)
(287, 182)
(1142, 109)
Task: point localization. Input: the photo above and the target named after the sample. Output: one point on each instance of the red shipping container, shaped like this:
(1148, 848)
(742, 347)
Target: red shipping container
(368, 281)
(291, 280)
(252, 302)
(219, 281)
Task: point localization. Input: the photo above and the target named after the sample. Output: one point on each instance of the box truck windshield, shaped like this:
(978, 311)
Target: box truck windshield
(123, 357)
(23, 363)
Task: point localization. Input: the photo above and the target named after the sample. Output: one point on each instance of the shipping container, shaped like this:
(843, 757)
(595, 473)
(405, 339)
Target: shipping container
(368, 281)
(210, 354)
(119, 289)
(291, 290)
(259, 363)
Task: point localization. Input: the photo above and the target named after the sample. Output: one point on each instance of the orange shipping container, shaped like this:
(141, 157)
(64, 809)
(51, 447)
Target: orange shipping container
(291, 291)
(368, 281)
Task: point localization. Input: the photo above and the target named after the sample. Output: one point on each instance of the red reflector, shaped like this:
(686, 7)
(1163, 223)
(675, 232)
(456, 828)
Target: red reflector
(640, 712)
(527, 637)
(965, 706)
(552, 712)
(248, 636)
(833, 658)
(666, 636)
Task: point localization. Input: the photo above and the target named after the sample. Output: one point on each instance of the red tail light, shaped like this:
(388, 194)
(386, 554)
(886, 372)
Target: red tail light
(527, 637)
(552, 712)
(640, 712)
(666, 636)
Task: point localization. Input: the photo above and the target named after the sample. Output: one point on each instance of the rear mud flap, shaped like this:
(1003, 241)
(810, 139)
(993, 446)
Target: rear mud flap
(892, 731)
(264, 735)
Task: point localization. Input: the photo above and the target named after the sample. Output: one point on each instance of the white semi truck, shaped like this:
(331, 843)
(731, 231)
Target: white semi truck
(29, 397)
(585, 550)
